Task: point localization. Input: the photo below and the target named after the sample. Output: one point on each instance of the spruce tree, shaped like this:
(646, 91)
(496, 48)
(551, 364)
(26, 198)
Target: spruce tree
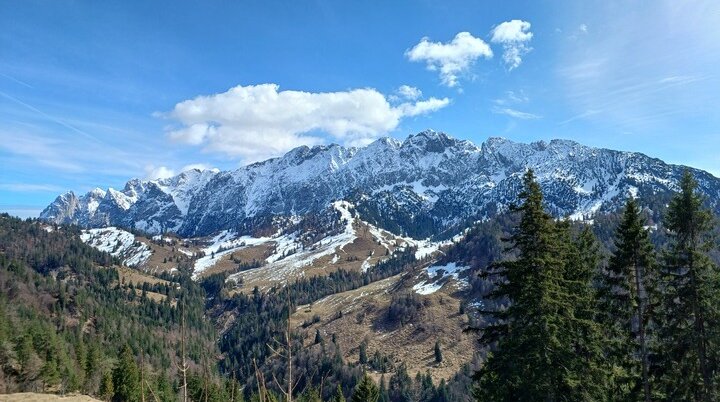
(339, 396)
(545, 344)
(106, 386)
(126, 377)
(438, 353)
(362, 353)
(688, 335)
(624, 291)
(366, 391)
(384, 395)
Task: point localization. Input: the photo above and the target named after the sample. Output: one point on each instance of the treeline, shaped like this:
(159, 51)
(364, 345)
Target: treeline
(642, 326)
(69, 324)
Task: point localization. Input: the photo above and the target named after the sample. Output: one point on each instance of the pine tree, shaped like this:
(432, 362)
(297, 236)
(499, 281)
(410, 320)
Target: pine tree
(339, 397)
(366, 391)
(318, 337)
(126, 377)
(624, 290)
(362, 358)
(384, 396)
(546, 345)
(106, 386)
(688, 334)
(438, 353)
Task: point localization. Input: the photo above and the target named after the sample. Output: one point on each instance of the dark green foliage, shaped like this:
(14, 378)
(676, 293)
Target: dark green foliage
(126, 377)
(400, 388)
(107, 389)
(548, 323)
(362, 353)
(365, 391)
(689, 335)
(624, 298)
(69, 312)
(438, 353)
(339, 396)
(404, 308)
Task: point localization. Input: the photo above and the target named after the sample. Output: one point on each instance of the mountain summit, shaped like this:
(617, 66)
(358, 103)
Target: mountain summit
(426, 185)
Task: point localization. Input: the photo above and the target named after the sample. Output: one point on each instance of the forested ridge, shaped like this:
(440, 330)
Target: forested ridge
(68, 324)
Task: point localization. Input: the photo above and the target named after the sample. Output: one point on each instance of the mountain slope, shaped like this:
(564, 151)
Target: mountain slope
(427, 185)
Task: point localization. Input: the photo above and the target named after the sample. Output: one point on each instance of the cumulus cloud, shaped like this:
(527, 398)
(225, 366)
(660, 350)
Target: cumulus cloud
(514, 36)
(408, 92)
(451, 59)
(255, 122)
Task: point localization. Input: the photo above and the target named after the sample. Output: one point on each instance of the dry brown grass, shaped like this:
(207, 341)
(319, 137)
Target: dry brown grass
(244, 255)
(165, 255)
(129, 275)
(34, 397)
(363, 314)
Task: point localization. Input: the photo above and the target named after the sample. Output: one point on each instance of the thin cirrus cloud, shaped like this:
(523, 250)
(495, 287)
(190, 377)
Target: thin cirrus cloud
(451, 59)
(515, 113)
(508, 103)
(514, 37)
(255, 122)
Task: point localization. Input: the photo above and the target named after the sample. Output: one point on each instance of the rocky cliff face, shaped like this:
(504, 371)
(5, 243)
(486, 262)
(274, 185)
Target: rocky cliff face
(426, 185)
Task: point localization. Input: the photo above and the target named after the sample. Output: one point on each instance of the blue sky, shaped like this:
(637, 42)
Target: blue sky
(94, 93)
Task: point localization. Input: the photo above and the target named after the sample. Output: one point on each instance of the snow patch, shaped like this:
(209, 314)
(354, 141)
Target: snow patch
(439, 275)
(119, 243)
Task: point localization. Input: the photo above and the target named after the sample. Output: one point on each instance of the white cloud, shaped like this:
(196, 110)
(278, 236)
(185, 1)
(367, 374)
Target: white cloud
(515, 113)
(408, 92)
(153, 172)
(583, 28)
(514, 36)
(453, 58)
(512, 97)
(158, 172)
(423, 107)
(255, 122)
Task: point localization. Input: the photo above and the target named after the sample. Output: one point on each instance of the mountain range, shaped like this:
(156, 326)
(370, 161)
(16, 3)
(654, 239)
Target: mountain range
(429, 185)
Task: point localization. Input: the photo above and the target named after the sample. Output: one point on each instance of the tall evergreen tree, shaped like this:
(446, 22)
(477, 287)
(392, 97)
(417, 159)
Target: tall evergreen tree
(624, 290)
(384, 396)
(366, 390)
(688, 335)
(126, 378)
(545, 344)
(106, 386)
(339, 396)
